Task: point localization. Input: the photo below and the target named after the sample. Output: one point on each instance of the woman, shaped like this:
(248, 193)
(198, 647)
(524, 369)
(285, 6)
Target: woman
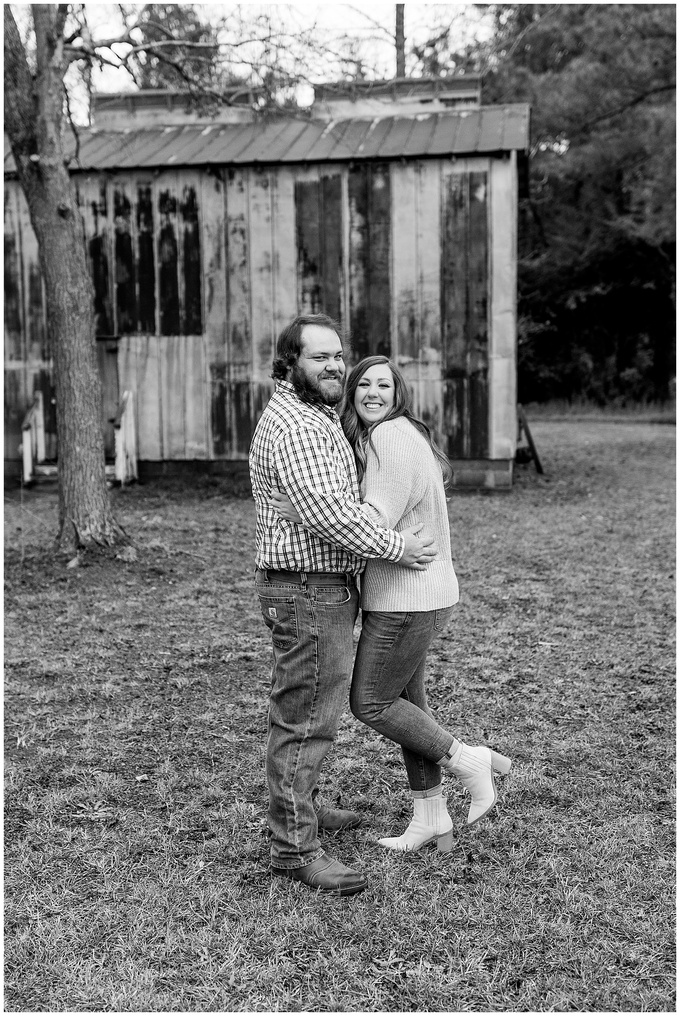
(402, 474)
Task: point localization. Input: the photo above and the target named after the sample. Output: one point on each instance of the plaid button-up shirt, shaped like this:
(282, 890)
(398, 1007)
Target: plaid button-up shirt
(301, 450)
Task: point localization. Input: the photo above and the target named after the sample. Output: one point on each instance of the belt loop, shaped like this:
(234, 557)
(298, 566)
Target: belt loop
(266, 575)
(303, 577)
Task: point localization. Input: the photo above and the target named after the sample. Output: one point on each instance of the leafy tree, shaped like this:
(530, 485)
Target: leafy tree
(596, 273)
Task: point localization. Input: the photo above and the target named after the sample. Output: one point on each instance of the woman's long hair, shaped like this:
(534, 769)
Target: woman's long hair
(359, 435)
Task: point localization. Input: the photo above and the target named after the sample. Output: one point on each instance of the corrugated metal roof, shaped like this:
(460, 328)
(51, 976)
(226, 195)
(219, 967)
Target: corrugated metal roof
(466, 132)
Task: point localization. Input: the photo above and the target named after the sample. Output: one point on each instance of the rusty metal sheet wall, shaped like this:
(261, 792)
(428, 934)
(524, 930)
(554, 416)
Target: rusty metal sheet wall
(197, 271)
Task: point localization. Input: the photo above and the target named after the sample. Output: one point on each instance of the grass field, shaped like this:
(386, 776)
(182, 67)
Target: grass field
(136, 856)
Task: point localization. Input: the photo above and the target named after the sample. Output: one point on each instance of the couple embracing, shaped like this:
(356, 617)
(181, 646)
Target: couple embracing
(346, 498)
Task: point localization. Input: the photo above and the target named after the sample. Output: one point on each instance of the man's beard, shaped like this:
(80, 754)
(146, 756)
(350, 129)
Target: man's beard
(312, 392)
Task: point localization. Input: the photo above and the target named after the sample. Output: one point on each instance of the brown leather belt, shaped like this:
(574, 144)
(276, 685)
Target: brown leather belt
(302, 578)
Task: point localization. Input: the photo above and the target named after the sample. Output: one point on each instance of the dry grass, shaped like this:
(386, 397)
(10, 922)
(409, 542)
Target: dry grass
(136, 853)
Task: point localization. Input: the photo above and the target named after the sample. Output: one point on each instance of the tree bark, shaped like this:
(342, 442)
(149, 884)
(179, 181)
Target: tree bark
(34, 115)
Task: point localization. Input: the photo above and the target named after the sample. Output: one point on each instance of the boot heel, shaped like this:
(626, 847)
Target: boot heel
(500, 763)
(445, 842)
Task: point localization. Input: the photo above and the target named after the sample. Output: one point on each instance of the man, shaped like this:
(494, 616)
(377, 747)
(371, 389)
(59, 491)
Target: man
(306, 582)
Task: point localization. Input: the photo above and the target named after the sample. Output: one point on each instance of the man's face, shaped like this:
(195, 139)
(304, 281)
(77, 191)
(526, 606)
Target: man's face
(319, 374)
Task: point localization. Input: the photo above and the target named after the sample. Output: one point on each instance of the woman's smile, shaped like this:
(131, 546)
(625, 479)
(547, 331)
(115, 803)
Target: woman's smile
(374, 396)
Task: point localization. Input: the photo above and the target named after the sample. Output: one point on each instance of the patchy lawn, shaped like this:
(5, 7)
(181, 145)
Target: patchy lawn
(136, 857)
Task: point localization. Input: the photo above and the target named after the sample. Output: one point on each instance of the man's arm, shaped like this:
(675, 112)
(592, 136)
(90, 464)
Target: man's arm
(317, 484)
(320, 491)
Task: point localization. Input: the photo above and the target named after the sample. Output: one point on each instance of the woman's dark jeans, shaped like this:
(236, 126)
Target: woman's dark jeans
(388, 688)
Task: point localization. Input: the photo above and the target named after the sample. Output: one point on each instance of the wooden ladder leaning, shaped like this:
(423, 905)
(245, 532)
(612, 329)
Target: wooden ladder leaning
(523, 428)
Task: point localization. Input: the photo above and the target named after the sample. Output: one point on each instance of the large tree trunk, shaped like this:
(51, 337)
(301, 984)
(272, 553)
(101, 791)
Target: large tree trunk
(85, 515)
(33, 120)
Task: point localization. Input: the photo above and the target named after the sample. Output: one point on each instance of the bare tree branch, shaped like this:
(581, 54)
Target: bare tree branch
(385, 32)
(542, 16)
(610, 113)
(60, 21)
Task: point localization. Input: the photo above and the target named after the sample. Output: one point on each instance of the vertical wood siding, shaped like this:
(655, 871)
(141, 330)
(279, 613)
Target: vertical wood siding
(107, 358)
(12, 280)
(416, 284)
(464, 309)
(318, 226)
(284, 259)
(232, 394)
(196, 273)
(146, 260)
(192, 309)
(369, 260)
(168, 261)
(125, 265)
(93, 200)
(27, 351)
(16, 397)
(503, 357)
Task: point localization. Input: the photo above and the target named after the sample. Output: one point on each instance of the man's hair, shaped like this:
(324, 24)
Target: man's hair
(289, 342)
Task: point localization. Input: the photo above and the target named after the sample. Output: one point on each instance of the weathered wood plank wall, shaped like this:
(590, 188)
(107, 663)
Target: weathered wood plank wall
(503, 353)
(27, 353)
(196, 272)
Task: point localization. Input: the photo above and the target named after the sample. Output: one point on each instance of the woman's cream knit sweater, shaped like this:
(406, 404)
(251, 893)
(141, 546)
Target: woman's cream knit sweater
(402, 486)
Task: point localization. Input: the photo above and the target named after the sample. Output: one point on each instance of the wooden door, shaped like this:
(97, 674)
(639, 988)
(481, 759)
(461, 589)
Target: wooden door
(465, 313)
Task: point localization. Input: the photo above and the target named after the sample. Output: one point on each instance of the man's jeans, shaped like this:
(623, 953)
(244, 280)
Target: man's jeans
(311, 625)
(388, 688)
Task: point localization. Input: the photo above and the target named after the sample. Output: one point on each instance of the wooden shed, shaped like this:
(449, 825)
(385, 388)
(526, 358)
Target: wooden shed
(206, 236)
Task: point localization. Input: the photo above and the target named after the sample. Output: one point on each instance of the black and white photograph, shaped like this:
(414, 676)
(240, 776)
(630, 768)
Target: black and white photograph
(339, 508)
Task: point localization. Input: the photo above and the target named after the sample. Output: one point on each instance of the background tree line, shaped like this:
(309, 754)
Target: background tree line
(597, 226)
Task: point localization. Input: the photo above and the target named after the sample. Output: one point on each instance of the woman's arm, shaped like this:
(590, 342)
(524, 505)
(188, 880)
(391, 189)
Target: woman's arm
(283, 506)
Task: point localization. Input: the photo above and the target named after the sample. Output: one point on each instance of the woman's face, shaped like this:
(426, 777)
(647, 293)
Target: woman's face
(374, 395)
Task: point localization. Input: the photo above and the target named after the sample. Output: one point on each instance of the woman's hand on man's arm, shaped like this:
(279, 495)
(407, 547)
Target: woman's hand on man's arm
(283, 505)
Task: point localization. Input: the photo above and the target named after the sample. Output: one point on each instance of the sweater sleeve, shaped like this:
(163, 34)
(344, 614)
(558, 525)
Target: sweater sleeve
(393, 479)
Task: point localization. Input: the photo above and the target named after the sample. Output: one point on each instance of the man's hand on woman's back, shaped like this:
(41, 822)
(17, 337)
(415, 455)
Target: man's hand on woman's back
(419, 548)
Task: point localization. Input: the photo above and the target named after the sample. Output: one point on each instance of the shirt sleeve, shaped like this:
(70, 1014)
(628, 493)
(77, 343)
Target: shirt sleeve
(314, 479)
(374, 514)
(392, 481)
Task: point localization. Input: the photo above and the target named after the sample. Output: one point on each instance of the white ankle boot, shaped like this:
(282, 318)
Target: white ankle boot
(476, 767)
(431, 821)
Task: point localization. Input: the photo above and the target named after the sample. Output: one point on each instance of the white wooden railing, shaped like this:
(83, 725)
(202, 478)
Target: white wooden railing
(33, 438)
(125, 434)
